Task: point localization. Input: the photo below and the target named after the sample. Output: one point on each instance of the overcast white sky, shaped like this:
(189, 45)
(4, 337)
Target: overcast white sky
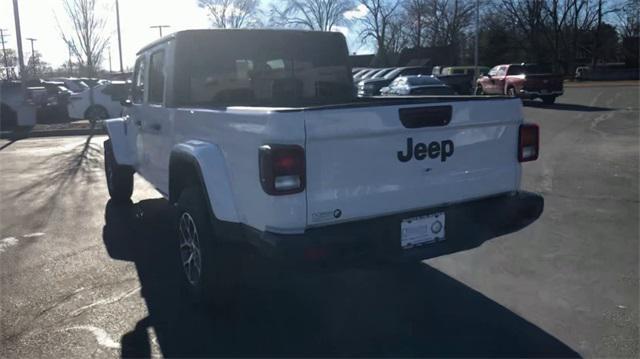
(38, 20)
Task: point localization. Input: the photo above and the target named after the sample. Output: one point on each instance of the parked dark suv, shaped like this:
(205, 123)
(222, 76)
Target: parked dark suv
(371, 87)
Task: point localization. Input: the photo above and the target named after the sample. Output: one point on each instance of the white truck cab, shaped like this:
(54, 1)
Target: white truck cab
(259, 139)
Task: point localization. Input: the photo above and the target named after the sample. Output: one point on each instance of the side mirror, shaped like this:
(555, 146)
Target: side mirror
(126, 103)
(487, 75)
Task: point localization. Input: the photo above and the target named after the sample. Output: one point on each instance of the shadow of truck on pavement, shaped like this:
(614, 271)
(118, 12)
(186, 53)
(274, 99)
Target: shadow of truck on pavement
(409, 311)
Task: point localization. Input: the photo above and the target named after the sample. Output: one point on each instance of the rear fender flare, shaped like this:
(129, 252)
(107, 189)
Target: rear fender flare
(118, 133)
(209, 162)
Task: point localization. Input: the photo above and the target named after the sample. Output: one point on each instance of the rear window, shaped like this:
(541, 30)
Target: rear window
(423, 80)
(267, 68)
(529, 69)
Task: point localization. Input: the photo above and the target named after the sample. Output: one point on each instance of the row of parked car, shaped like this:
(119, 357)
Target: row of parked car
(57, 100)
(524, 80)
(415, 80)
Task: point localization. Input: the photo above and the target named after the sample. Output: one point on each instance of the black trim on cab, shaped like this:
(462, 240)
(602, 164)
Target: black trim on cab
(468, 225)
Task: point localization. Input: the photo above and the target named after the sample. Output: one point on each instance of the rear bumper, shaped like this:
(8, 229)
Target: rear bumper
(532, 94)
(468, 225)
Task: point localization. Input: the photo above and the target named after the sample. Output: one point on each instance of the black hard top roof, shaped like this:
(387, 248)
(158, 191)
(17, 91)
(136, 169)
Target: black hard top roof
(200, 31)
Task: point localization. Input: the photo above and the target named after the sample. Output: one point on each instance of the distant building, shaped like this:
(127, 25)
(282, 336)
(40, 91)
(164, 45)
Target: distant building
(427, 56)
(361, 60)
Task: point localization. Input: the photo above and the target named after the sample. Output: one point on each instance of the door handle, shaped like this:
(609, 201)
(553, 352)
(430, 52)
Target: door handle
(156, 126)
(137, 122)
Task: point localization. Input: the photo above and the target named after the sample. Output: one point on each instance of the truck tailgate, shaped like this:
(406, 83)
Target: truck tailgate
(370, 161)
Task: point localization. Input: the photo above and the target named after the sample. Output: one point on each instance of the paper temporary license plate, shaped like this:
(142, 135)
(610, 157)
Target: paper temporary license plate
(418, 231)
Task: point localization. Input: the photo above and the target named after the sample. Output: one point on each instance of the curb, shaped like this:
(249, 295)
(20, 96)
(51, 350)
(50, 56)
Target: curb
(52, 133)
(590, 84)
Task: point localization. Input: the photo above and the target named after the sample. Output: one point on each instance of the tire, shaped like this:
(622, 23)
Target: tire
(195, 244)
(511, 92)
(479, 91)
(548, 100)
(119, 177)
(96, 113)
(8, 118)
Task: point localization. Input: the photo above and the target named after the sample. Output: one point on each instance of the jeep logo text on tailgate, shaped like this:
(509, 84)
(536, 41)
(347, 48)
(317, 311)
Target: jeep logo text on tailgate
(421, 150)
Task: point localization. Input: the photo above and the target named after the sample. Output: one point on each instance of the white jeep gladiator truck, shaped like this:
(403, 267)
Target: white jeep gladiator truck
(258, 138)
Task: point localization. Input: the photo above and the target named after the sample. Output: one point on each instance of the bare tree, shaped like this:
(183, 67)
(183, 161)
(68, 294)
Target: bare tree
(416, 12)
(376, 24)
(321, 15)
(87, 39)
(629, 18)
(527, 17)
(232, 14)
(397, 35)
(36, 67)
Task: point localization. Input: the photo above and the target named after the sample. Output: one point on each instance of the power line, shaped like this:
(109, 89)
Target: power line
(159, 28)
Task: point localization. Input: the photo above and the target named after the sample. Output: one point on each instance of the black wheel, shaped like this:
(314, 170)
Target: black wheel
(96, 113)
(548, 100)
(479, 90)
(119, 177)
(511, 92)
(8, 118)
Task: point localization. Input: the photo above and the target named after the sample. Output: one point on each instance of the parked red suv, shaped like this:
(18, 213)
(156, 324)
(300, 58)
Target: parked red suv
(527, 81)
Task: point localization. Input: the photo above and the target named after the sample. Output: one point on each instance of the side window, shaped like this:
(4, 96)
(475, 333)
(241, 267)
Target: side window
(118, 92)
(502, 71)
(107, 90)
(493, 71)
(156, 77)
(137, 90)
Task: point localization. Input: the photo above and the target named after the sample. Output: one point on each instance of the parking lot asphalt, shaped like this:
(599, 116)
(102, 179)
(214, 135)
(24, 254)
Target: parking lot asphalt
(81, 277)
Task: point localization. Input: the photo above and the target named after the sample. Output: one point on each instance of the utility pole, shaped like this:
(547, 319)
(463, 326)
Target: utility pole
(16, 17)
(119, 38)
(4, 51)
(70, 63)
(159, 28)
(33, 58)
(109, 50)
(33, 52)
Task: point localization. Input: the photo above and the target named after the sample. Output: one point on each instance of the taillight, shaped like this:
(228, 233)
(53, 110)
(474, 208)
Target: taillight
(282, 169)
(528, 142)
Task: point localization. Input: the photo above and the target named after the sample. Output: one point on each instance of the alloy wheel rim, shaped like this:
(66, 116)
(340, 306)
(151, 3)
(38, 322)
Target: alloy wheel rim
(190, 254)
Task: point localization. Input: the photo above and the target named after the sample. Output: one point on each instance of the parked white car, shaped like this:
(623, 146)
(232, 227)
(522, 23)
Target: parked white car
(258, 140)
(72, 83)
(99, 102)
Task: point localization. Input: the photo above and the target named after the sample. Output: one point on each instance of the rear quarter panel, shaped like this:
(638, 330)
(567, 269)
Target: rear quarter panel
(239, 132)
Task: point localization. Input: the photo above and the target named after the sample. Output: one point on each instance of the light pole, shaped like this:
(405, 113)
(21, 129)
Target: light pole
(16, 17)
(475, 50)
(159, 28)
(119, 37)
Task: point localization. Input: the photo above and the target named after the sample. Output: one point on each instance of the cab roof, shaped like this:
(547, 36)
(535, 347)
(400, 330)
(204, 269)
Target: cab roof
(182, 33)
